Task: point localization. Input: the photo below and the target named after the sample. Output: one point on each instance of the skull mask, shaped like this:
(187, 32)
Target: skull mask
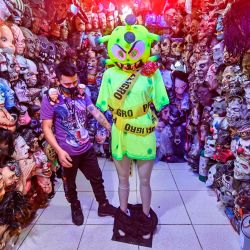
(165, 45)
(22, 92)
(218, 54)
(177, 47)
(21, 149)
(19, 39)
(16, 8)
(6, 39)
(210, 147)
(31, 43)
(31, 76)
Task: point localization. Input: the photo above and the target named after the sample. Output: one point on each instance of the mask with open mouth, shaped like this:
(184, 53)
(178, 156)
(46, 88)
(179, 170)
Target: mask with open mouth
(129, 46)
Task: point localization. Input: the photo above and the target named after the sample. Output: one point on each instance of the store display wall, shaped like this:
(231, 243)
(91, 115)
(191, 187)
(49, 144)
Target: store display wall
(204, 60)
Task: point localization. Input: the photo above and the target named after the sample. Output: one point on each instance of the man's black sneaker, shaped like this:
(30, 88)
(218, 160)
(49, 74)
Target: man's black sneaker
(106, 209)
(76, 212)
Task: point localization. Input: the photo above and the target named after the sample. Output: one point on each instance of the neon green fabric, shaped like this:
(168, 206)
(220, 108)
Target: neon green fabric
(144, 90)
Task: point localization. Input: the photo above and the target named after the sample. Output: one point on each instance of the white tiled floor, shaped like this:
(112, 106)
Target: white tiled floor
(189, 216)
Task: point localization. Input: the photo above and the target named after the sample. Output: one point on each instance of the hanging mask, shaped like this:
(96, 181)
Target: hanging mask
(230, 76)
(23, 64)
(219, 106)
(218, 54)
(8, 94)
(246, 64)
(95, 21)
(44, 48)
(165, 45)
(102, 20)
(2, 185)
(64, 31)
(211, 77)
(51, 53)
(19, 39)
(210, 147)
(21, 149)
(6, 39)
(30, 76)
(22, 92)
(8, 176)
(31, 43)
(177, 45)
(156, 49)
(5, 13)
(241, 168)
(16, 8)
(12, 67)
(219, 28)
(202, 67)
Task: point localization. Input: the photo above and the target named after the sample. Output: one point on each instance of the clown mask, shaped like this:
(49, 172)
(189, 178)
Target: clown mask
(6, 39)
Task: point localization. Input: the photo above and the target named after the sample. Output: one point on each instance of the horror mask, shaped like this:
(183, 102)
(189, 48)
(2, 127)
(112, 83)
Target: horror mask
(202, 67)
(211, 77)
(31, 43)
(44, 48)
(22, 92)
(241, 168)
(246, 64)
(31, 76)
(219, 106)
(177, 45)
(16, 8)
(102, 21)
(19, 39)
(218, 54)
(12, 67)
(21, 149)
(165, 45)
(210, 147)
(219, 28)
(23, 64)
(8, 94)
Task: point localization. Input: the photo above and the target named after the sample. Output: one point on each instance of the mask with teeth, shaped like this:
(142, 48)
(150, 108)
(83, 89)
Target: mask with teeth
(30, 76)
(230, 76)
(202, 67)
(44, 48)
(51, 53)
(219, 28)
(22, 92)
(31, 41)
(129, 46)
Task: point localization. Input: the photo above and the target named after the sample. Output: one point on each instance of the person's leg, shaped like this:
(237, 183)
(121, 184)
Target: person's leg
(144, 171)
(69, 180)
(90, 168)
(123, 168)
(69, 184)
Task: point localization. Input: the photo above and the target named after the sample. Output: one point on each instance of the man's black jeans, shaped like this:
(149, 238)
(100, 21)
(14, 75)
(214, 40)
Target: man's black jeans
(88, 164)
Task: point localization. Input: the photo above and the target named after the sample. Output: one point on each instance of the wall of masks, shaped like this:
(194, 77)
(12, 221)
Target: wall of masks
(207, 122)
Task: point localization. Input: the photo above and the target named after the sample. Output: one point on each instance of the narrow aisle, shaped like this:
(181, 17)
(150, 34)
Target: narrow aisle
(189, 216)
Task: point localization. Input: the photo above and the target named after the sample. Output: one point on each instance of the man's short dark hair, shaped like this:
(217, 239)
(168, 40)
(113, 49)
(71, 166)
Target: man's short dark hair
(181, 75)
(66, 68)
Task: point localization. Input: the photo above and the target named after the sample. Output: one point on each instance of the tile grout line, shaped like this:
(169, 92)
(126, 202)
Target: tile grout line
(186, 209)
(85, 224)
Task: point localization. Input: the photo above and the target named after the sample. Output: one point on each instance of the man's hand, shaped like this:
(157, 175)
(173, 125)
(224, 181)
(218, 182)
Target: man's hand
(64, 159)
